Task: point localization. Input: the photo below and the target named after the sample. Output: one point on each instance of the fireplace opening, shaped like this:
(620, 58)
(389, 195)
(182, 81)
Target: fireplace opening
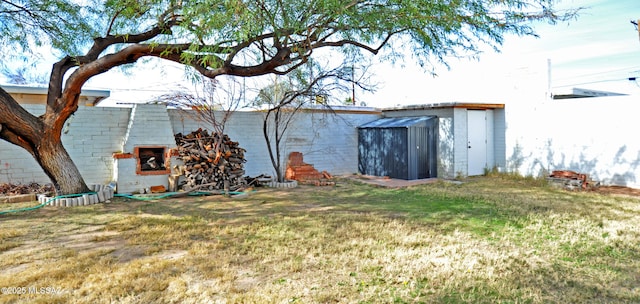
(151, 160)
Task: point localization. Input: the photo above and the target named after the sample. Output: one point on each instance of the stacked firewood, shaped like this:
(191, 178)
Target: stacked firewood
(211, 161)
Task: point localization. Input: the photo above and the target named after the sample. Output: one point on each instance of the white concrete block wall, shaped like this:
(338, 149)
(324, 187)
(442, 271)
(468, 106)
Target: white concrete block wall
(90, 136)
(18, 166)
(461, 144)
(445, 148)
(499, 138)
(595, 136)
(148, 124)
(126, 181)
(327, 141)
(490, 131)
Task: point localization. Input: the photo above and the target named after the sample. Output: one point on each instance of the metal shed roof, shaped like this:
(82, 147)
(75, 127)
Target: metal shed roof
(398, 122)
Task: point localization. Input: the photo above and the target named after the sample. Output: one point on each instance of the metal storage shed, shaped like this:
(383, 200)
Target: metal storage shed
(402, 147)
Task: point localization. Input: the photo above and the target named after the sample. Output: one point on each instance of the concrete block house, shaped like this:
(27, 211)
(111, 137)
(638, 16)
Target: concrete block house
(112, 144)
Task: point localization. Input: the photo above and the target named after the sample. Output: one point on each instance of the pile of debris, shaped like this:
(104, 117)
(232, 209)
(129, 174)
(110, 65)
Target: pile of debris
(305, 173)
(572, 180)
(258, 181)
(18, 189)
(211, 161)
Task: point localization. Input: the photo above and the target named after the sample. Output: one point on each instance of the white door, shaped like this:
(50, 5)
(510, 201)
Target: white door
(477, 142)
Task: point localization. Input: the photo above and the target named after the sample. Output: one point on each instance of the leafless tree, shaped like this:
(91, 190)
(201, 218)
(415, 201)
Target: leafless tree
(309, 86)
(212, 102)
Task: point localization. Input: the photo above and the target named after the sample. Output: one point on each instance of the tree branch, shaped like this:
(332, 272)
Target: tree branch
(16, 139)
(18, 126)
(360, 45)
(102, 43)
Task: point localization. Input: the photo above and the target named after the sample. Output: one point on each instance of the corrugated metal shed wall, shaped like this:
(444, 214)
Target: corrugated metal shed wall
(404, 147)
(376, 155)
(423, 150)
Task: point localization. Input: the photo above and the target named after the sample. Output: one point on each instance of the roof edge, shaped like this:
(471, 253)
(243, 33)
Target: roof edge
(19, 89)
(445, 105)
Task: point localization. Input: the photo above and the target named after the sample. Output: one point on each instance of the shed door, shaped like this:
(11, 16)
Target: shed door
(477, 142)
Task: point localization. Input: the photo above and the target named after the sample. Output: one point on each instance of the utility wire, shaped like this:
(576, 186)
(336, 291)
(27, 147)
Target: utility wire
(634, 79)
(634, 68)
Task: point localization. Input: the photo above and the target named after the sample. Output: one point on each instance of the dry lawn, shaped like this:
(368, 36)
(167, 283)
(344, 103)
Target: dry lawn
(492, 239)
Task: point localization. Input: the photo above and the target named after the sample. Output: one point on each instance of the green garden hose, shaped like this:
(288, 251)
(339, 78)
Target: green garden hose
(170, 194)
(136, 197)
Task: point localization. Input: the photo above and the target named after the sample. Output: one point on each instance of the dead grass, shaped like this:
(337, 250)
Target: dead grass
(495, 239)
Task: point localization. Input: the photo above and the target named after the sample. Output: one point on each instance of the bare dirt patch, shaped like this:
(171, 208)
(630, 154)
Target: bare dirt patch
(95, 240)
(618, 190)
(126, 254)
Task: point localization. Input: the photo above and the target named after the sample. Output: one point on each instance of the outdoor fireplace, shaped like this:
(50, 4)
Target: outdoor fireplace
(145, 160)
(151, 160)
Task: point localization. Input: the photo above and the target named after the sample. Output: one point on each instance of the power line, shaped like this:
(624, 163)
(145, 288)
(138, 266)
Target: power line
(601, 73)
(634, 79)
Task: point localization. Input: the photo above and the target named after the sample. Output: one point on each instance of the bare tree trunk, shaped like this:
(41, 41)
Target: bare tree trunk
(278, 135)
(58, 165)
(275, 159)
(43, 142)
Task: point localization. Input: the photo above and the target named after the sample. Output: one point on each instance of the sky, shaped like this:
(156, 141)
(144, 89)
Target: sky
(600, 50)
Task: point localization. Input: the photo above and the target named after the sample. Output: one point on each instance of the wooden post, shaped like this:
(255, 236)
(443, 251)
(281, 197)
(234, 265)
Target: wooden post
(173, 182)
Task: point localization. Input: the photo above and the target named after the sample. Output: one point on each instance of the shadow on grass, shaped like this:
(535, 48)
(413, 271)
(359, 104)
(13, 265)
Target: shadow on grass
(441, 211)
(480, 206)
(440, 228)
(476, 207)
